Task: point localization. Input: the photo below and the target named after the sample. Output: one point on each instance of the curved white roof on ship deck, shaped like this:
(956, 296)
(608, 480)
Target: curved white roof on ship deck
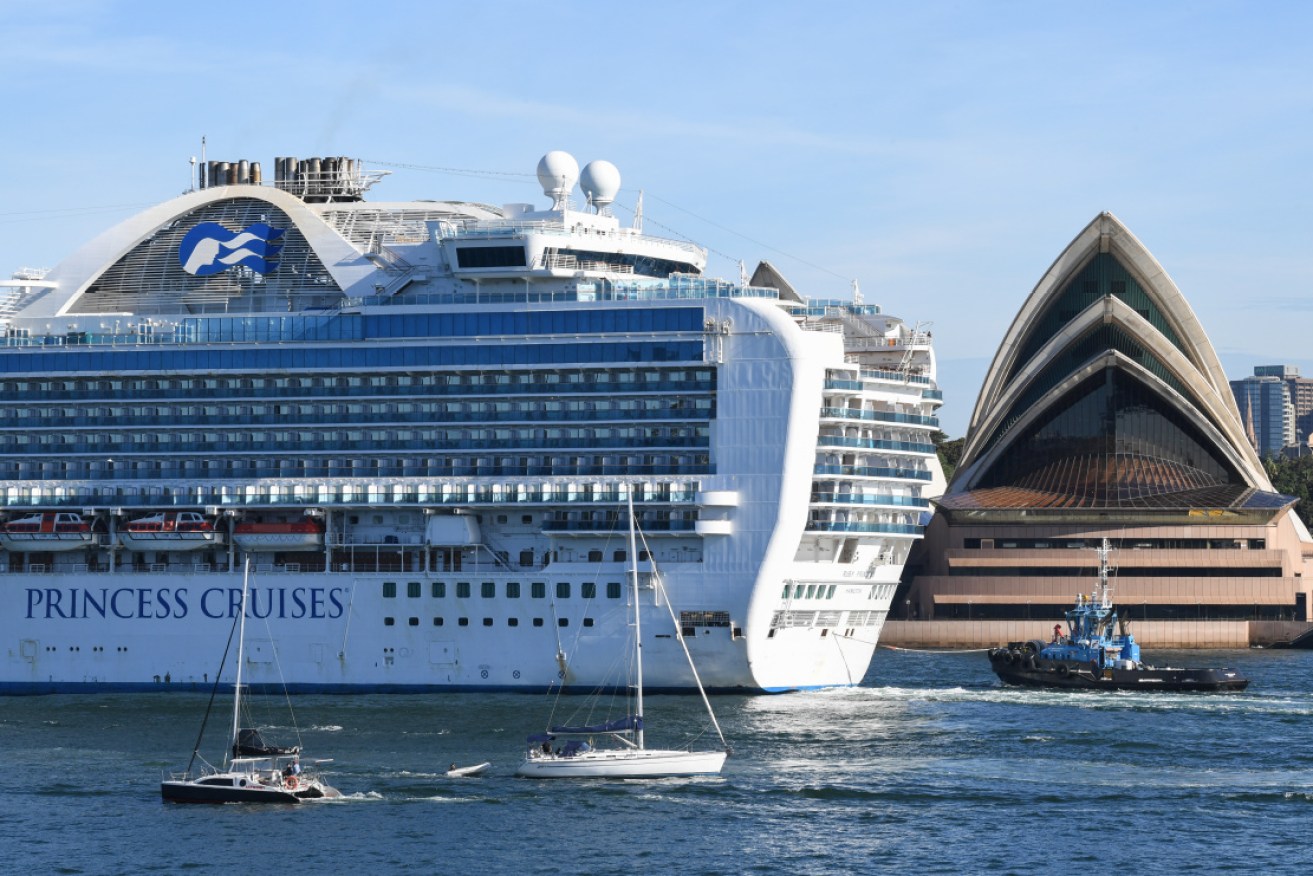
(351, 271)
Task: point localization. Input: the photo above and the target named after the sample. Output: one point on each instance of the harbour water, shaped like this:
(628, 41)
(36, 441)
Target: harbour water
(929, 767)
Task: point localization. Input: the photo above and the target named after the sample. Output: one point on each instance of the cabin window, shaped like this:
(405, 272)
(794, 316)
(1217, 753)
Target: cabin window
(437, 622)
(512, 589)
(487, 621)
(588, 621)
(537, 622)
(413, 589)
(613, 590)
(588, 590)
(414, 621)
(439, 589)
(512, 621)
(538, 590)
(563, 590)
(563, 622)
(488, 590)
(389, 621)
(389, 589)
(463, 622)
(462, 590)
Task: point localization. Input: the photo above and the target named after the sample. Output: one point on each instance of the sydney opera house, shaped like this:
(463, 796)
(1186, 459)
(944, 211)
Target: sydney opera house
(1106, 414)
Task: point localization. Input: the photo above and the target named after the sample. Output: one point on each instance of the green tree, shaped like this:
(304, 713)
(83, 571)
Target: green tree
(1294, 477)
(950, 451)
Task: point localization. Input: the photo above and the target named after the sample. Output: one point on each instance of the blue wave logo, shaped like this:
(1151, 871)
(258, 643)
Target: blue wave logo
(209, 248)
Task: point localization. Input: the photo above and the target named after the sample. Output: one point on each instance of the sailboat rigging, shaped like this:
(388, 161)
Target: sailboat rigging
(627, 756)
(253, 771)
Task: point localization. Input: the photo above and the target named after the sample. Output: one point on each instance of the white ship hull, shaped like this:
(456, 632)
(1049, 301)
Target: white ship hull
(462, 400)
(329, 633)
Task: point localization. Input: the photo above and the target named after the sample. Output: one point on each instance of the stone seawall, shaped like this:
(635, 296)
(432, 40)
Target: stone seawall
(1149, 634)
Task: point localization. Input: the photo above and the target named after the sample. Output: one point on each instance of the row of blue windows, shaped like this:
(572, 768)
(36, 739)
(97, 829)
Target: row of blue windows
(563, 383)
(355, 326)
(520, 439)
(465, 324)
(244, 469)
(350, 356)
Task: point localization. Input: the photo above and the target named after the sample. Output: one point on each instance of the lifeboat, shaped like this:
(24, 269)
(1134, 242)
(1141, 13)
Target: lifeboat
(294, 536)
(47, 531)
(169, 531)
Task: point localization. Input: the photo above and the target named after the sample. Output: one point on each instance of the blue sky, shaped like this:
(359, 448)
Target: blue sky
(941, 153)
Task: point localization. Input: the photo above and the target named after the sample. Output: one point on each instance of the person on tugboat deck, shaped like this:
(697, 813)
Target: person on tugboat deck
(1057, 632)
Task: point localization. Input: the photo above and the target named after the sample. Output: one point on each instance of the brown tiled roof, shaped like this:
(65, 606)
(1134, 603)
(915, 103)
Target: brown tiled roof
(1114, 480)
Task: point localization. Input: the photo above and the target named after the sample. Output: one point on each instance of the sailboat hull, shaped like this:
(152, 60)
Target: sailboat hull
(210, 791)
(648, 763)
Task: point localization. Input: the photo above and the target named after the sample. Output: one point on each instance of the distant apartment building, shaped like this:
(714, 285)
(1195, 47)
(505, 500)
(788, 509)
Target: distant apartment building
(1301, 396)
(1266, 402)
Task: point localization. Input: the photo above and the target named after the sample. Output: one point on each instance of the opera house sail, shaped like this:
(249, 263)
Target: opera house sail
(1106, 413)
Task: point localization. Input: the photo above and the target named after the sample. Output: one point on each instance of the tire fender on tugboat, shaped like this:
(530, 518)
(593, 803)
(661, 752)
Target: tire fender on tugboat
(1063, 670)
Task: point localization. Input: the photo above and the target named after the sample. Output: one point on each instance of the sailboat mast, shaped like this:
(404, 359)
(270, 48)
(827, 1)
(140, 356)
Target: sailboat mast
(241, 643)
(638, 628)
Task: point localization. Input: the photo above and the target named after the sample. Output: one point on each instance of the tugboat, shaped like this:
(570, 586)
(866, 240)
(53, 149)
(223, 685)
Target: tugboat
(1091, 657)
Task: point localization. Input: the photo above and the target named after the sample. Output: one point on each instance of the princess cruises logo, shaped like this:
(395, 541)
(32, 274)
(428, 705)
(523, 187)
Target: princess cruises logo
(209, 248)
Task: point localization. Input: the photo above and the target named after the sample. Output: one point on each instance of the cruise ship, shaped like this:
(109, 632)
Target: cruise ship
(419, 426)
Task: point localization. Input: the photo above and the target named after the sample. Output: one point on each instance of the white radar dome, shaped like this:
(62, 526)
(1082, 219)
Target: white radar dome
(600, 182)
(557, 172)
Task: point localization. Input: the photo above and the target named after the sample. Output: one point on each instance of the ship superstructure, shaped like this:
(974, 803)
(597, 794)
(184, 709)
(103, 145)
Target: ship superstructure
(422, 422)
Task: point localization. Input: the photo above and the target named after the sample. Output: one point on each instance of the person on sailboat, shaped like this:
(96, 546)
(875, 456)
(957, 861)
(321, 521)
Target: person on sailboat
(291, 771)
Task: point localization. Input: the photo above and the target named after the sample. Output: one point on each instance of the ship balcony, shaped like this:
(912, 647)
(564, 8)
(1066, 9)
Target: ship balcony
(718, 499)
(869, 500)
(912, 447)
(866, 528)
(882, 375)
(851, 415)
(715, 527)
(869, 471)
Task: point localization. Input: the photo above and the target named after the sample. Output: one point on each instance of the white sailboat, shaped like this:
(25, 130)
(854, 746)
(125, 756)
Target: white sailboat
(253, 772)
(627, 756)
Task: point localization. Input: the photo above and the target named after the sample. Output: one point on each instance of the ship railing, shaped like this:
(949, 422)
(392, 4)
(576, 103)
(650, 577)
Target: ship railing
(871, 528)
(880, 416)
(875, 374)
(875, 444)
(869, 499)
(869, 471)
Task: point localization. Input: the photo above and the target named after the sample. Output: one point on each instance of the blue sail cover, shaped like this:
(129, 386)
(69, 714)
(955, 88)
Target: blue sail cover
(629, 722)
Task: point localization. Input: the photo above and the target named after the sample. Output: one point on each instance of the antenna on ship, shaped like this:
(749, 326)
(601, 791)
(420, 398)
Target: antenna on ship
(203, 164)
(857, 293)
(638, 213)
(1105, 591)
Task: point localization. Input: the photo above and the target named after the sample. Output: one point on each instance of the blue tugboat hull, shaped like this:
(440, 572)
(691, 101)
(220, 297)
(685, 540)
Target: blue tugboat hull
(1019, 665)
